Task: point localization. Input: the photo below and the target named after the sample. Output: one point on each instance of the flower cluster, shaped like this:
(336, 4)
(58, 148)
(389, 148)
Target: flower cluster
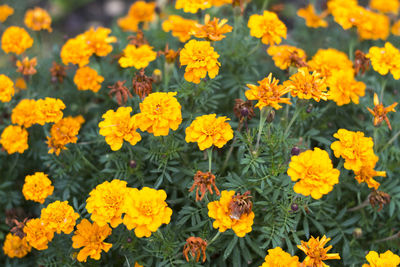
(37, 187)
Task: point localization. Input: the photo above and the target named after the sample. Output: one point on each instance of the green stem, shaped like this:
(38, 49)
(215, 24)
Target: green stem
(209, 154)
(383, 86)
(376, 136)
(296, 114)
(214, 238)
(265, 4)
(255, 48)
(394, 138)
(263, 115)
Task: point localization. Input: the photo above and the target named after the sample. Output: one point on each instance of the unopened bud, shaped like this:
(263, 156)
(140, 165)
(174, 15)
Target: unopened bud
(294, 207)
(157, 76)
(309, 108)
(244, 112)
(295, 151)
(357, 232)
(132, 164)
(129, 240)
(271, 116)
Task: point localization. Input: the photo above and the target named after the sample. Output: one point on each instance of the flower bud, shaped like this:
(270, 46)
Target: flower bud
(157, 76)
(271, 116)
(132, 164)
(294, 207)
(295, 151)
(357, 232)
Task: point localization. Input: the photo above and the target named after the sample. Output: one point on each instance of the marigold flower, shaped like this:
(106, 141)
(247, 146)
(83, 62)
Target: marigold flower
(306, 86)
(396, 28)
(146, 210)
(366, 174)
(38, 19)
(212, 30)
(200, 58)
(277, 257)
(37, 187)
(355, 148)
(138, 57)
(268, 27)
(326, 61)
(312, 19)
(60, 217)
(99, 41)
(191, 6)
(179, 27)
(91, 237)
(203, 182)
(387, 259)
(159, 112)
(372, 25)
(106, 202)
(142, 11)
(385, 59)
(343, 88)
(76, 51)
(14, 139)
(25, 113)
(20, 84)
(119, 126)
(49, 110)
(128, 23)
(345, 12)
(170, 54)
(87, 78)
(14, 246)
(5, 12)
(6, 88)
(316, 253)
(315, 172)
(285, 56)
(221, 2)
(386, 6)
(196, 246)
(16, 40)
(379, 112)
(38, 234)
(220, 211)
(26, 66)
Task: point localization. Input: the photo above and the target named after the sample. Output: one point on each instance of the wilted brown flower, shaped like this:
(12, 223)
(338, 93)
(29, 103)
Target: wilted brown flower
(297, 60)
(204, 181)
(361, 62)
(16, 220)
(197, 247)
(121, 92)
(142, 85)
(243, 109)
(138, 40)
(239, 205)
(58, 72)
(26, 66)
(379, 198)
(170, 55)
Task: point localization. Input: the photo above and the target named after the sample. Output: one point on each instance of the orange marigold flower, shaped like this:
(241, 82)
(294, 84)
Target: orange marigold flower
(277, 257)
(14, 246)
(387, 259)
(192, 6)
(25, 113)
(38, 234)
(119, 126)
(212, 30)
(6, 88)
(60, 217)
(268, 27)
(306, 86)
(159, 112)
(372, 25)
(5, 12)
(355, 148)
(87, 78)
(38, 19)
(379, 112)
(14, 139)
(49, 110)
(343, 88)
(138, 57)
(106, 202)
(385, 59)
(366, 174)
(396, 28)
(315, 172)
(200, 58)
(345, 12)
(146, 210)
(37, 187)
(76, 51)
(179, 27)
(99, 41)
(221, 212)
(208, 130)
(142, 11)
(221, 2)
(285, 56)
(312, 19)
(316, 253)
(26, 66)
(128, 23)
(386, 6)
(16, 40)
(20, 84)
(196, 246)
(91, 237)
(326, 61)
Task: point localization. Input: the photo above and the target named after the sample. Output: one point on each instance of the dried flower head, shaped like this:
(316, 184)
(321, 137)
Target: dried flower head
(212, 30)
(379, 112)
(378, 198)
(16, 40)
(121, 92)
(243, 109)
(38, 19)
(26, 66)
(196, 246)
(18, 227)
(361, 62)
(58, 72)
(316, 253)
(239, 205)
(203, 182)
(142, 85)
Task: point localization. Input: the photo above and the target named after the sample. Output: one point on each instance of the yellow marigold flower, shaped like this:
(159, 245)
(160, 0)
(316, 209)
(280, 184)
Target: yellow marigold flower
(49, 110)
(191, 6)
(180, 27)
(379, 112)
(99, 41)
(142, 11)
(119, 126)
(208, 130)
(5, 12)
(277, 257)
(312, 19)
(20, 84)
(91, 237)
(306, 86)
(76, 51)
(138, 57)
(373, 26)
(59, 216)
(146, 210)
(106, 202)
(38, 234)
(385, 59)
(396, 28)
(268, 27)
(220, 211)
(37, 187)
(128, 23)
(355, 148)
(212, 30)
(25, 113)
(26, 66)
(6, 88)
(366, 174)
(16, 40)
(285, 56)
(343, 88)
(268, 93)
(315, 172)
(14, 246)
(87, 78)
(316, 253)
(345, 12)
(159, 112)
(221, 2)
(326, 61)
(200, 58)
(387, 259)
(14, 139)
(386, 6)
(38, 19)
